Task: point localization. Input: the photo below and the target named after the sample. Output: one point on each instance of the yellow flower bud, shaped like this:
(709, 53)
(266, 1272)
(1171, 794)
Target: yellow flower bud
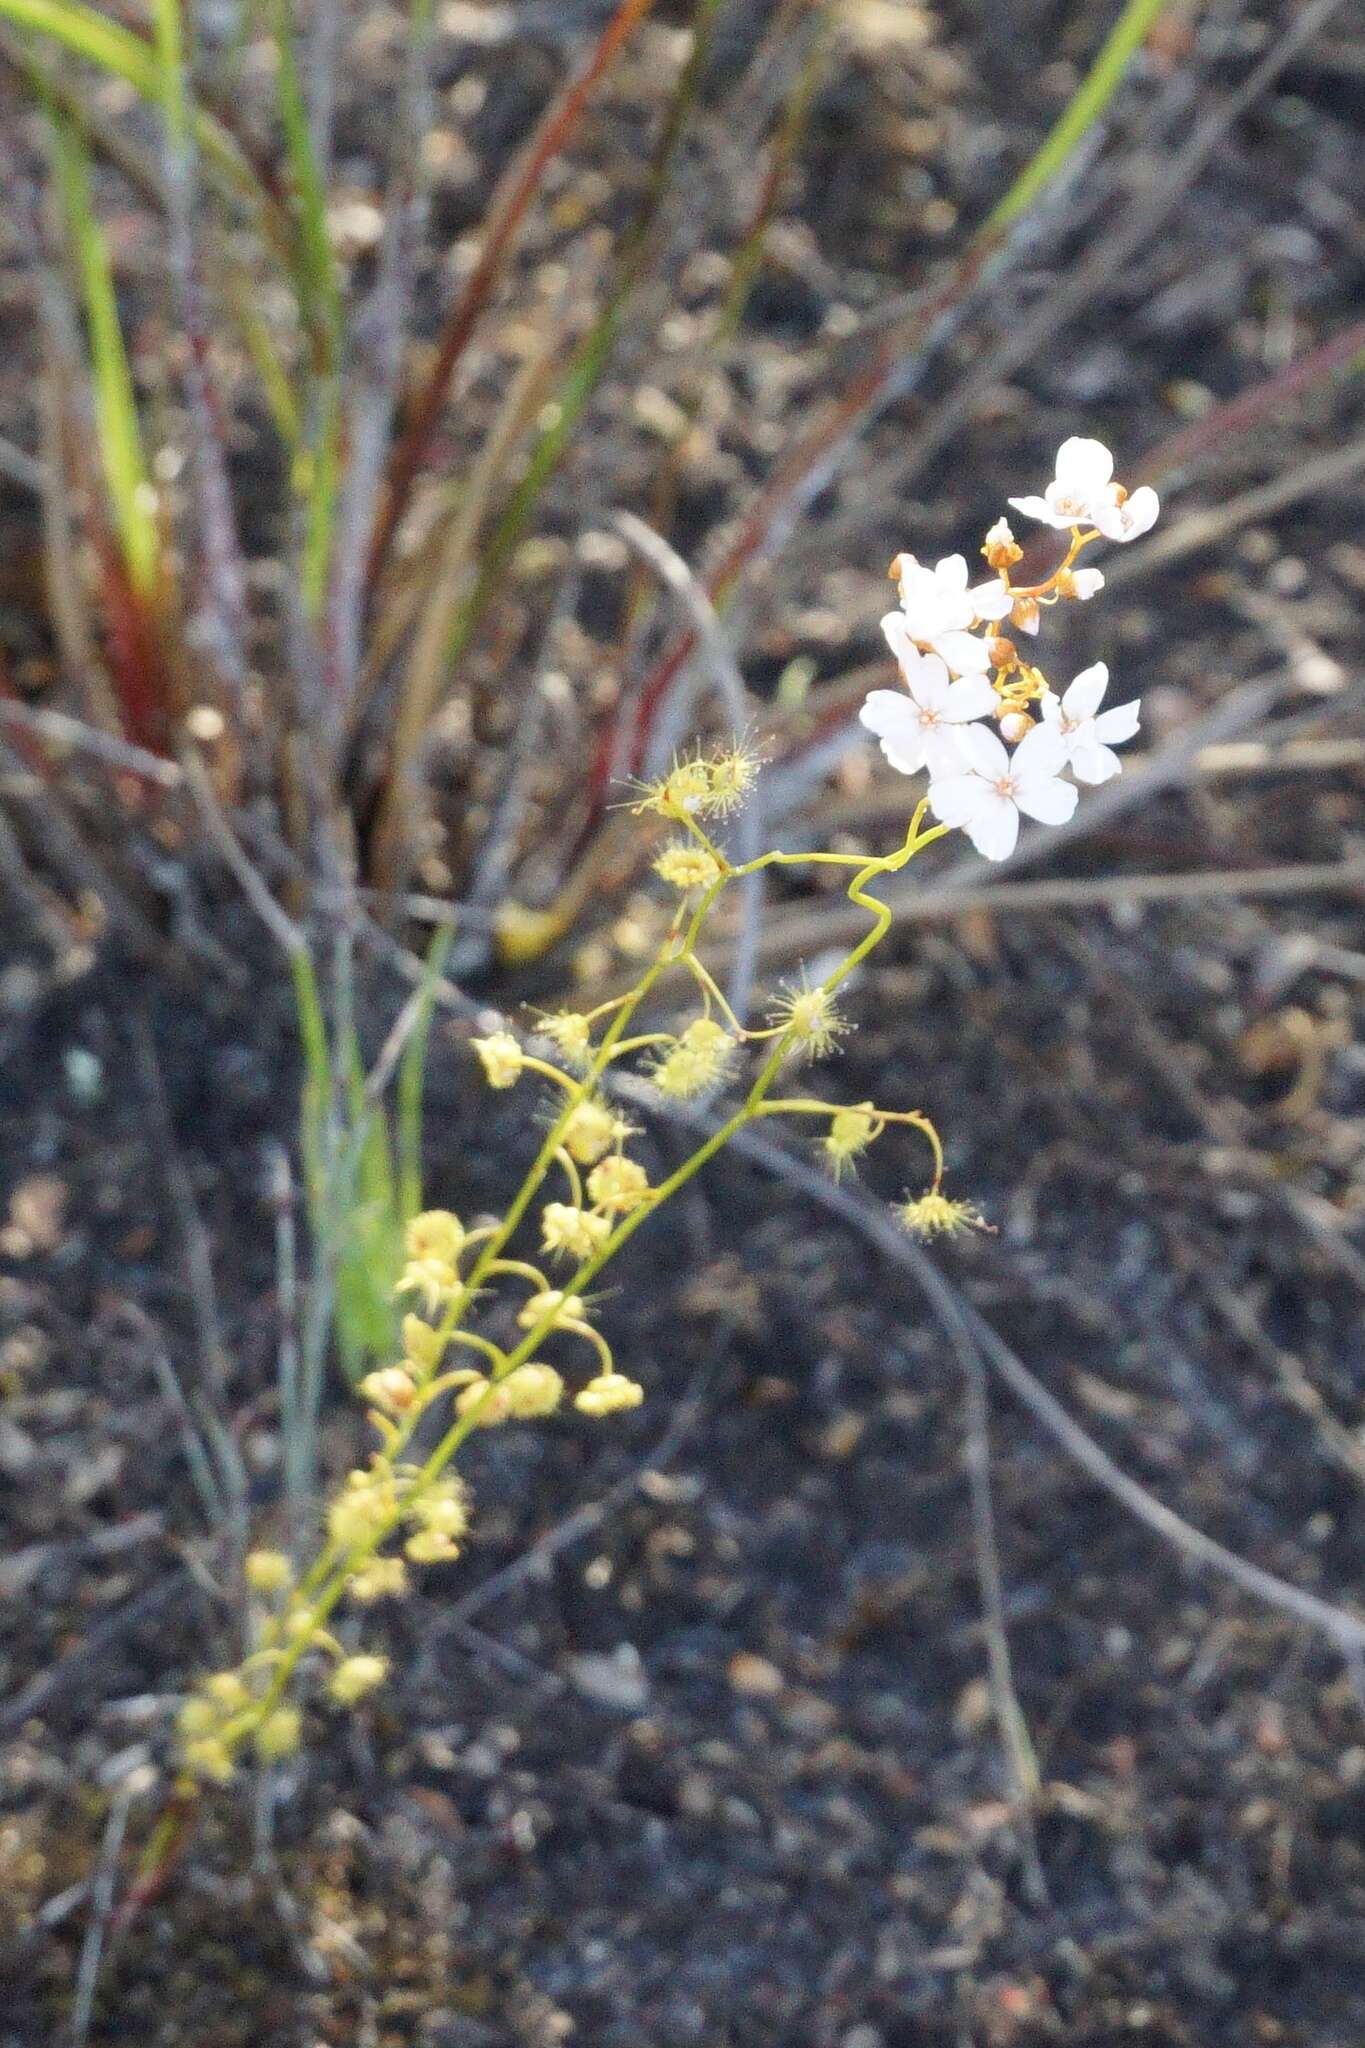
(267, 1571)
(733, 775)
(435, 1234)
(228, 1690)
(851, 1131)
(198, 1717)
(502, 1059)
(570, 1034)
(355, 1676)
(618, 1185)
(696, 1060)
(391, 1388)
(589, 1131)
(384, 1579)
(487, 1403)
(933, 1215)
(813, 1018)
(445, 1513)
(423, 1347)
(574, 1231)
(435, 1280)
(532, 1390)
(550, 1303)
(609, 1393)
(209, 1758)
(430, 1546)
(278, 1735)
(687, 866)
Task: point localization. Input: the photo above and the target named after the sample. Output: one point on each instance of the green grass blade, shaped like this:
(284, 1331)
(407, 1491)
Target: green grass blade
(317, 472)
(317, 1072)
(121, 54)
(170, 51)
(131, 493)
(412, 1074)
(1081, 112)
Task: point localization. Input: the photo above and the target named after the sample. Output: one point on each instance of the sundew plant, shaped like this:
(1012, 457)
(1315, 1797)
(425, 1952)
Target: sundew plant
(997, 741)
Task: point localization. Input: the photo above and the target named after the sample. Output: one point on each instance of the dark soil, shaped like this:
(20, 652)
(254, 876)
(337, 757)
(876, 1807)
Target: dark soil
(723, 1769)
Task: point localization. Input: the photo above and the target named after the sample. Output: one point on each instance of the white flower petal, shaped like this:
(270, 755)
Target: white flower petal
(1131, 519)
(954, 799)
(898, 638)
(1084, 466)
(969, 697)
(1092, 762)
(1086, 693)
(1039, 755)
(1119, 723)
(1038, 508)
(993, 827)
(907, 568)
(951, 572)
(963, 654)
(985, 752)
(926, 678)
(991, 600)
(894, 720)
(1087, 582)
(1047, 798)
(943, 755)
(1140, 511)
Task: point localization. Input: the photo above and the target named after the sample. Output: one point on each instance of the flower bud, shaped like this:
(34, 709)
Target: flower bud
(210, 1758)
(278, 1735)
(391, 1388)
(1002, 550)
(430, 1546)
(686, 866)
(355, 1676)
(565, 1228)
(435, 1234)
(502, 1059)
(267, 1571)
(1003, 653)
(423, 1347)
(383, 1579)
(608, 1394)
(485, 1402)
(933, 1215)
(618, 1185)
(533, 1390)
(589, 1131)
(1014, 724)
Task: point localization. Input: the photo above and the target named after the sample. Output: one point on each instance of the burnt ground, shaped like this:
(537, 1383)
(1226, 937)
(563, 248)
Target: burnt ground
(722, 1768)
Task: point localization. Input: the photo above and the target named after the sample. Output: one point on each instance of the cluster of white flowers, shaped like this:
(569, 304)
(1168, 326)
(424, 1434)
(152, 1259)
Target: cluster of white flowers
(959, 668)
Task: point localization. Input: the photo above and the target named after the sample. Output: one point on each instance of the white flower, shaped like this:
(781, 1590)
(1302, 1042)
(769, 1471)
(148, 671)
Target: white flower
(1130, 517)
(917, 730)
(992, 787)
(1086, 582)
(937, 608)
(1083, 492)
(1089, 734)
